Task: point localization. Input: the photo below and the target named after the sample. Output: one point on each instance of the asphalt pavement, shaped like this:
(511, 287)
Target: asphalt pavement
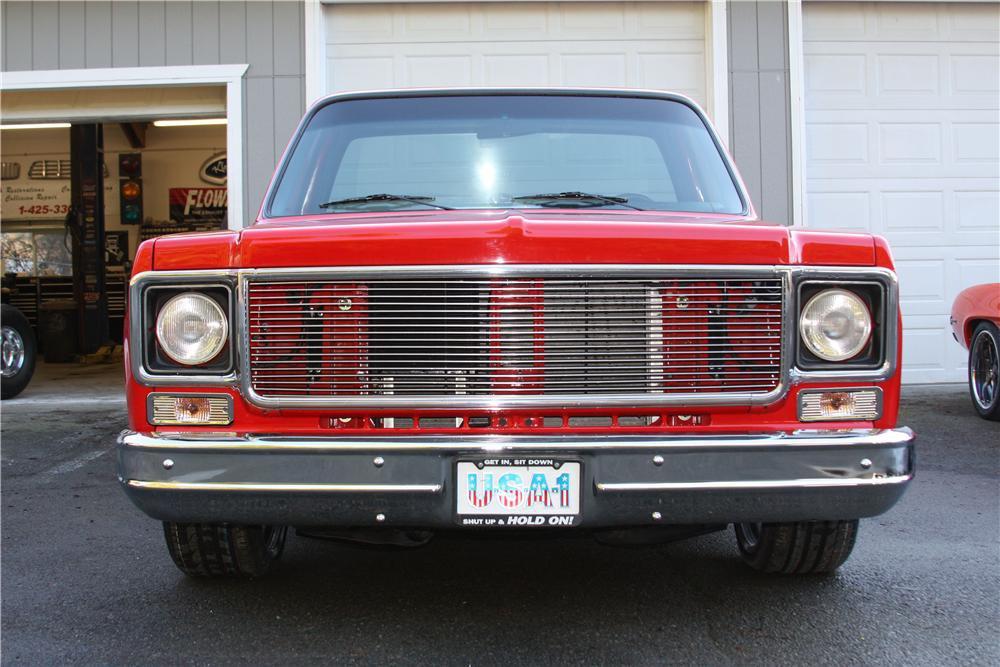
(86, 577)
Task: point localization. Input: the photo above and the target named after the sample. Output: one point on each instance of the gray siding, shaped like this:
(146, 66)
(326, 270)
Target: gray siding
(759, 104)
(266, 35)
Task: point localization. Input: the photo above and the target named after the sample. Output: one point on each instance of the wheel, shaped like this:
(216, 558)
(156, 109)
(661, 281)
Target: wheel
(222, 550)
(807, 547)
(19, 351)
(984, 371)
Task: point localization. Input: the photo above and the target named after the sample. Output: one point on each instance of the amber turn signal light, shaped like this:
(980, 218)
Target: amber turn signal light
(192, 410)
(837, 405)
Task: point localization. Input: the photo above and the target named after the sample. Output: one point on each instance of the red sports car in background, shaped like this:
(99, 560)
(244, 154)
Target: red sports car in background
(974, 319)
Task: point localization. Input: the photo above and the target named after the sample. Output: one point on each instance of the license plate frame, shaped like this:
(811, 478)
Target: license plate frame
(493, 515)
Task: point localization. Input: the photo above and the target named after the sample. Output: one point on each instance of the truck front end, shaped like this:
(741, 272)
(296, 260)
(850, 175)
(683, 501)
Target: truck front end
(494, 310)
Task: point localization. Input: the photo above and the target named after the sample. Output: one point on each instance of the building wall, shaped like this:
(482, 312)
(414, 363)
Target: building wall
(93, 34)
(759, 99)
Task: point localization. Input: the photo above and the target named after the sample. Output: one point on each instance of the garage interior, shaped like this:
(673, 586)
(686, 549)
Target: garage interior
(163, 171)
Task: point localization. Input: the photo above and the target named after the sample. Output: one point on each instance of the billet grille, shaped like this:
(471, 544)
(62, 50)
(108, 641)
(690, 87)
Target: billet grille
(514, 336)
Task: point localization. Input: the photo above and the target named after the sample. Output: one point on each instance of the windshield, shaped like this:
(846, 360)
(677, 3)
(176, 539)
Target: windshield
(505, 151)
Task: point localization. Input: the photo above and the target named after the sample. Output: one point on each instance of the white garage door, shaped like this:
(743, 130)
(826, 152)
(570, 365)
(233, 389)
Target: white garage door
(902, 140)
(640, 45)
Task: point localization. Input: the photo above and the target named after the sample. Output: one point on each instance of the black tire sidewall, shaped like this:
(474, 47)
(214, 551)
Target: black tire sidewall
(755, 553)
(14, 318)
(803, 547)
(984, 329)
(224, 550)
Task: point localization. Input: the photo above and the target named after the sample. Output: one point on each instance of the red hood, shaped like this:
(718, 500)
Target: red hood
(509, 237)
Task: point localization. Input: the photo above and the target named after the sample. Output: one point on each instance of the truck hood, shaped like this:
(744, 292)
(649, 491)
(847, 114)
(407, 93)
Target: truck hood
(511, 237)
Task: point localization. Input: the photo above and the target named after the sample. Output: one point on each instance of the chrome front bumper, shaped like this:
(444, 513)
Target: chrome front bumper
(407, 482)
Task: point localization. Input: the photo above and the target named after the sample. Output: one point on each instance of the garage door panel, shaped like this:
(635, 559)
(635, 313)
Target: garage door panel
(435, 22)
(531, 69)
(422, 71)
(931, 144)
(930, 274)
(506, 21)
(642, 45)
(976, 209)
(975, 74)
(600, 69)
(928, 353)
(978, 270)
(977, 142)
(895, 75)
(891, 22)
(975, 22)
(681, 72)
(364, 73)
(909, 212)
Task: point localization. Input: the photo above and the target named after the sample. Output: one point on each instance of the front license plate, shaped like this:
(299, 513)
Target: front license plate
(517, 492)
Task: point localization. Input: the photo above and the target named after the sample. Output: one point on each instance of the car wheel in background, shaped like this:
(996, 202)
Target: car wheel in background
(806, 547)
(19, 350)
(222, 550)
(984, 371)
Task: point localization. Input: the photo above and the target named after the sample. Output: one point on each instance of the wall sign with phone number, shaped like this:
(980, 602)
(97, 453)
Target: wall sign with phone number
(43, 209)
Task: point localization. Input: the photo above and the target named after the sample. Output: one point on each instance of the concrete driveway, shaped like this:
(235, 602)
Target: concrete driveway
(86, 577)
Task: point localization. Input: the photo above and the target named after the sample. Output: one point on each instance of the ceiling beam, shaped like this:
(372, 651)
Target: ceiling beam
(135, 133)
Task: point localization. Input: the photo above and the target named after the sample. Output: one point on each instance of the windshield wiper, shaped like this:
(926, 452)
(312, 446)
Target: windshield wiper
(596, 200)
(413, 199)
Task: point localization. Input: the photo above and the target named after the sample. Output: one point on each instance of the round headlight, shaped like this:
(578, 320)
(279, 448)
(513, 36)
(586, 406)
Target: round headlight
(835, 325)
(191, 328)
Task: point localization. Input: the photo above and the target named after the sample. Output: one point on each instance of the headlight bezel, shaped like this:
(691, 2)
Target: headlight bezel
(155, 360)
(873, 355)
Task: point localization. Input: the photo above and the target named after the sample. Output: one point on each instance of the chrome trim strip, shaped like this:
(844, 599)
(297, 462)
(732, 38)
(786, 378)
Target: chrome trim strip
(520, 270)
(269, 487)
(225, 442)
(748, 485)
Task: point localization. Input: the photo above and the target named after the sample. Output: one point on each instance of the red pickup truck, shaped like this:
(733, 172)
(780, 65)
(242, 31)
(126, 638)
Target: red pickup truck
(502, 310)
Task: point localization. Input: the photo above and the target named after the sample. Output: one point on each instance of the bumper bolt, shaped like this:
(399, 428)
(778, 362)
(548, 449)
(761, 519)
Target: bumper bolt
(168, 464)
(658, 460)
(380, 517)
(866, 463)
(657, 516)
(378, 461)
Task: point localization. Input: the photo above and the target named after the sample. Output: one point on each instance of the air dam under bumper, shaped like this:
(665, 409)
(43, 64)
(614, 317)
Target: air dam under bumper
(408, 482)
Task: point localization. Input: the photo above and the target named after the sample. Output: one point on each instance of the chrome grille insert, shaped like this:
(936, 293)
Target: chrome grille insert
(492, 340)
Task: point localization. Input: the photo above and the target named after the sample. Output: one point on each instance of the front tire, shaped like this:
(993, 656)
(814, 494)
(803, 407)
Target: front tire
(19, 351)
(806, 547)
(984, 371)
(222, 550)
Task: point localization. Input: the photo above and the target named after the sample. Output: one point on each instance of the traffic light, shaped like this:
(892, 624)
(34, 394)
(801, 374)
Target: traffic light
(130, 188)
